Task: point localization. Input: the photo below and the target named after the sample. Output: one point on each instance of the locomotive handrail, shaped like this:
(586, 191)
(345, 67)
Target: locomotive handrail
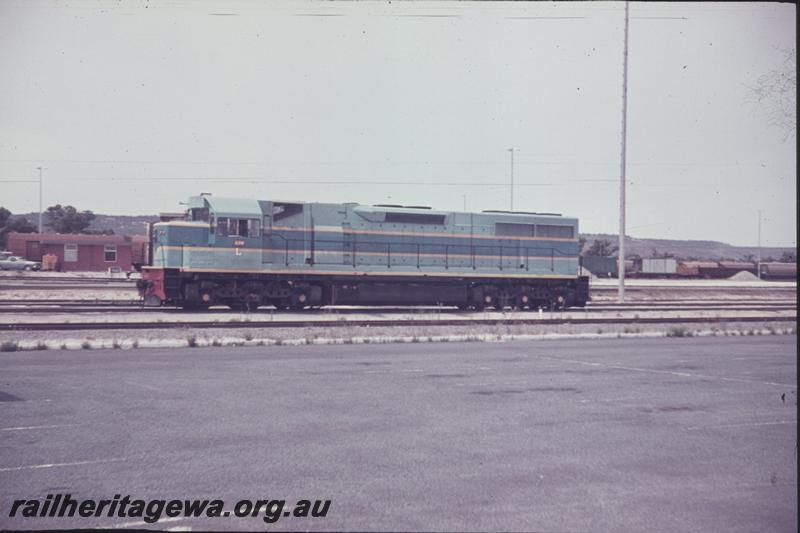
(471, 252)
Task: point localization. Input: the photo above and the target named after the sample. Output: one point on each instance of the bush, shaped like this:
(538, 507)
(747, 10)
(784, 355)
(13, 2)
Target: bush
(86, 345)
(9, 346)
(191, 341)
(679, 331)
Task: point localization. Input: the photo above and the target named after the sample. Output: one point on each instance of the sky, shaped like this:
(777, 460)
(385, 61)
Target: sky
(131, 107)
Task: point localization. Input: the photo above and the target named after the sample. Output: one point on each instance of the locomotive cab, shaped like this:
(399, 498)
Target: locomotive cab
(216, 234)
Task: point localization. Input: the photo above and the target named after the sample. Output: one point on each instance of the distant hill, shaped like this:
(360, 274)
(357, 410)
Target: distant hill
(135, 225)
(688, 249)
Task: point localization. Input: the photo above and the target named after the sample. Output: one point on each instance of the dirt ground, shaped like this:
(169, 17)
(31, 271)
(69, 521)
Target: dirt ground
(191, 337)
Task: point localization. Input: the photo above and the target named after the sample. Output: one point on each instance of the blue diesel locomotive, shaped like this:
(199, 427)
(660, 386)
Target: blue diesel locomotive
(246, 253)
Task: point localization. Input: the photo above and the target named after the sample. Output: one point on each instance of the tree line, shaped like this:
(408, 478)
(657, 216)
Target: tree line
(57, 219)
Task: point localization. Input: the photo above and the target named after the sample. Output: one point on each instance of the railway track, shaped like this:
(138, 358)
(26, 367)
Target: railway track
(132, 306)
(86, 306)
(550, 320)
(673, 301)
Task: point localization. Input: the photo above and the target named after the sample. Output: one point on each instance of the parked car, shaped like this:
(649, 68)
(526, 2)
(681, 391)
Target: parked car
(14, 262)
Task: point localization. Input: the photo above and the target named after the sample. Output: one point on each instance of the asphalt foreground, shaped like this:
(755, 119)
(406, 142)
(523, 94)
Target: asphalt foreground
(669, 434)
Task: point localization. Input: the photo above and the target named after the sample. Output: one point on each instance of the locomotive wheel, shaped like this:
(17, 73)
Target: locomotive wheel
(558, 303)
(299, 301)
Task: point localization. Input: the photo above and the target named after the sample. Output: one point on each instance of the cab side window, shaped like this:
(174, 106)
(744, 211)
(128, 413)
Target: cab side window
(238, 227)
(253, 227)
(241, 229)
(222, 226)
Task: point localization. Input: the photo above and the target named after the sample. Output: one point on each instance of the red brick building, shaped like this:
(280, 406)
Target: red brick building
(81, 252)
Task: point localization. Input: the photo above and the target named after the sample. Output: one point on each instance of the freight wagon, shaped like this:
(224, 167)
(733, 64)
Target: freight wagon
(245, 253)
(784, 271)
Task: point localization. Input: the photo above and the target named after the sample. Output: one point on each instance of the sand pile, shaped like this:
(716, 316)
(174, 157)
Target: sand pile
(744, 275)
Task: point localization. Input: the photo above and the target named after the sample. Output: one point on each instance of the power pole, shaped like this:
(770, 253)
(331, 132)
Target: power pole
(758, 265)
(40, 199)
(622, 164)
(464, 196)
(512, 177)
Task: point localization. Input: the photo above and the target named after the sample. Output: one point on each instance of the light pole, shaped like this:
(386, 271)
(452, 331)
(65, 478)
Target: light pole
(758, 265)
(621, 246)
(40, 198)
(512, 178)
(464, 196)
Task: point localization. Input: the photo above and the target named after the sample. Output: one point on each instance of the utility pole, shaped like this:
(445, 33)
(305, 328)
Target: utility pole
(40, 199)
(621, 246)
(512, 177)
(464, 196)
(758, 265)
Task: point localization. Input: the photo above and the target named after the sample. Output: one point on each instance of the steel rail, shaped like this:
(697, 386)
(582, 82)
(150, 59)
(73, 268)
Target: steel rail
(593, 304)
(139, 309)
(71, 326)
